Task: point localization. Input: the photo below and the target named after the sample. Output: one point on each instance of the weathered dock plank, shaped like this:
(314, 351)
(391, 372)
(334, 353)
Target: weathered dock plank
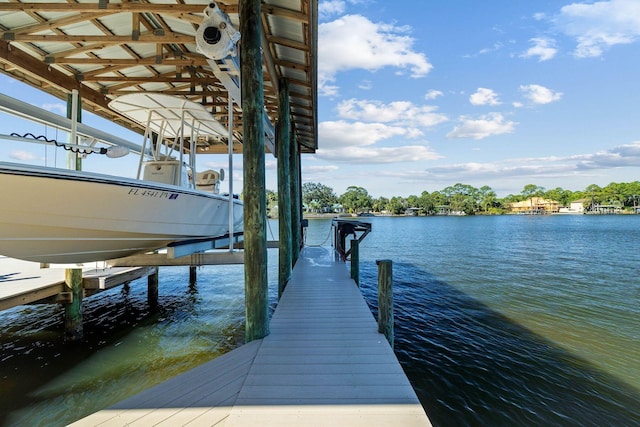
(324, 363)
(24, 282)
(108, 278)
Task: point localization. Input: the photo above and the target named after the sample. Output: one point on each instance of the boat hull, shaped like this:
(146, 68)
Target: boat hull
(59, 216)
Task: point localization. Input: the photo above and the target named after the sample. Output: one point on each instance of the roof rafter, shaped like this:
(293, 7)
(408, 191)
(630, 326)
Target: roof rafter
(63, 38)
(105, 49)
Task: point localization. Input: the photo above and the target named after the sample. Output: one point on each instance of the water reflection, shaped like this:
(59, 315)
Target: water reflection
(473, 366)
(127, 346)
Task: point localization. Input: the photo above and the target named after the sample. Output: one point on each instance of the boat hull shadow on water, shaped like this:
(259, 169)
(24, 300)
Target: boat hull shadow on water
(62, 216)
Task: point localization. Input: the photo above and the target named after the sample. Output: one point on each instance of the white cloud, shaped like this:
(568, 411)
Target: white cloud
(354, 42)
(483, 127)
(378, 155)
(330, 8)
(24, 156)
(319, 169)
(620, 156)
(365, 85)
(597, 26)
(355, 142)
(397, 112)
(543, 48)
(433, 94)
(626, 155)
(539, 94)
(496, 47)
(484, 96)
(340, 134)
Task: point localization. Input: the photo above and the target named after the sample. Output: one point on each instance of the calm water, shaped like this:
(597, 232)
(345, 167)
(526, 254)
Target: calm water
(508, 320)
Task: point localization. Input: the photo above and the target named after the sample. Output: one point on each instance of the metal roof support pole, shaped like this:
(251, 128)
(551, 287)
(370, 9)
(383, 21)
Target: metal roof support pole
(74, 112)
(230, 146)
(296, 199)
(284, 188)
(255, 201)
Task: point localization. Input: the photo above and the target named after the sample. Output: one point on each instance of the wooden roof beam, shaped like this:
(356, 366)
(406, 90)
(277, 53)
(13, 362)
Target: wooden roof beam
(288, 43)
(129, 62)
(162, 78)
(172, 91)
(58, 23)
(106, 39)
(284, 13)
(101, 7)
(42, 71)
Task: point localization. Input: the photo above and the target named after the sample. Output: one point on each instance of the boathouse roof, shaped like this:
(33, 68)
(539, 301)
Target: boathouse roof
(107, 48)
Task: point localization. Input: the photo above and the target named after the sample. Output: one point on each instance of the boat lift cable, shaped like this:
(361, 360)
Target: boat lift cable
(31, 113)
(115, 151)
(323, 242)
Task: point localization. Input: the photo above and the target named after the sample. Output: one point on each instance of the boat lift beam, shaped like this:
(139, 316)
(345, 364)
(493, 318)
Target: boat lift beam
(180, 249)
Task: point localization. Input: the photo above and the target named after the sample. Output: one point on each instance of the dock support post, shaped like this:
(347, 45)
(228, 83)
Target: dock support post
(73, 311)
(385, 299)
(255, 203)
(296, 201)
(355, 261)
(152, 289)
(285, 259)
(193, 275)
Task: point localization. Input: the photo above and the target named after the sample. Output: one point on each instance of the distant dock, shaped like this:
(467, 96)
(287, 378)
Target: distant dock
(324, 363)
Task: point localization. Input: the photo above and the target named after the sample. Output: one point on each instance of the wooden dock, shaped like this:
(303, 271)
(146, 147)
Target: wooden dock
(323, 364)
(23, 282)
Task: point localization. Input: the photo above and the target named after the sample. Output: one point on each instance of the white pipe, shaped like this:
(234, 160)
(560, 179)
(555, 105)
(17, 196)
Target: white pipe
(72, 162)
(230, 178)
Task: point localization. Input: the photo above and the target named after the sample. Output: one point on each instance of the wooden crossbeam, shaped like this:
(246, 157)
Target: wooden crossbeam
(104, 39)
(130, 62)
(99, 6)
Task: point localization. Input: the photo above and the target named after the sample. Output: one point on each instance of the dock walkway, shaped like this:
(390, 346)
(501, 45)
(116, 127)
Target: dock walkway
(323, 364)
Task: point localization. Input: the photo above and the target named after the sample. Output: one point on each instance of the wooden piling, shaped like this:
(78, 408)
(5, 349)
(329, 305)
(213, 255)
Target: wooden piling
(385, 299)
(255, 204)
(355, 261)
(193, 274)
(73, 311)
(152, 289)
(285, 258)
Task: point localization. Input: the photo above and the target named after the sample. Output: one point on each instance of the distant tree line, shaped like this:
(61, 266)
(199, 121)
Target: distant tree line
(319, 198)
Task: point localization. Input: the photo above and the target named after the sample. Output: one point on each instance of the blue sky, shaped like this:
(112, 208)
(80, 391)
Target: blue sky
(417, 96)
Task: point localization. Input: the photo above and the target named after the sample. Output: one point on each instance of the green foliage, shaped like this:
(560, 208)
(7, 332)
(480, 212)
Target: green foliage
(318, 197)
(461, 197)
(272, 203)
(355, 200)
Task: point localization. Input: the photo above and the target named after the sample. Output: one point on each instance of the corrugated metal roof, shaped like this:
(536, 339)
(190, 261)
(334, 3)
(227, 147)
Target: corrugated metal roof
(106, 48)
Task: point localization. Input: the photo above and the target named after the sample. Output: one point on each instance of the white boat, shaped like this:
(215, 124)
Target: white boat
(53, 215)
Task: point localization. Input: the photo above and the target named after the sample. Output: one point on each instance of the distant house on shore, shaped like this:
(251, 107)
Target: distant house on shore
(535, 206)
(575, 207)
(412, 211)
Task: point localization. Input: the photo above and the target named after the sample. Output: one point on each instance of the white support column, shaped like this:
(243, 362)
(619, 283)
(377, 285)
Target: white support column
(230, 178)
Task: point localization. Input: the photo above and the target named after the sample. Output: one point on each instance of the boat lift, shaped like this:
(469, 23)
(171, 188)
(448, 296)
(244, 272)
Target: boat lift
(343, 227)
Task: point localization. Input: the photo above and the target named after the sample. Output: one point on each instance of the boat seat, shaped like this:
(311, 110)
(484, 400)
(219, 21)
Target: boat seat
(208, 180)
